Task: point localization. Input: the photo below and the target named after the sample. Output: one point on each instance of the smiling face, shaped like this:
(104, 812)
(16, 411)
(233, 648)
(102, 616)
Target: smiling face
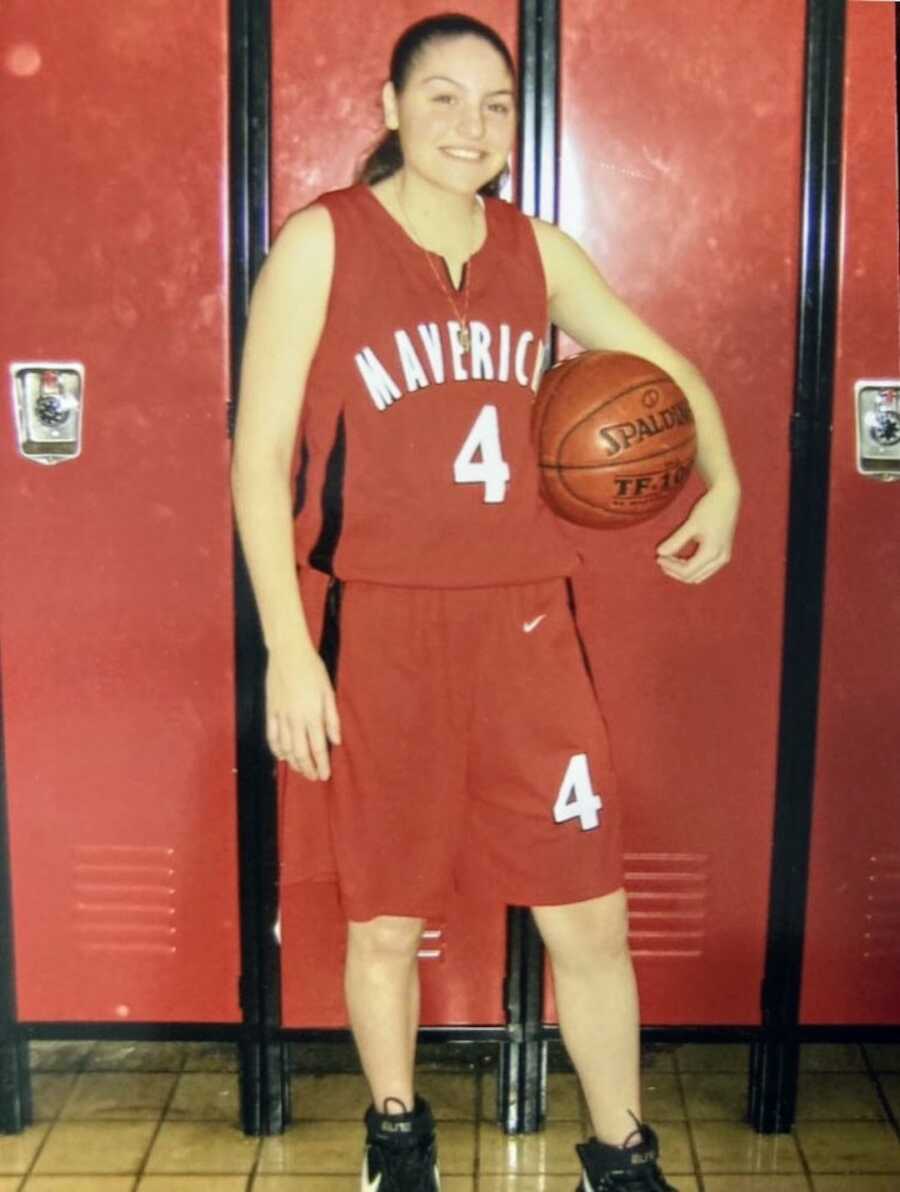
(456, 115)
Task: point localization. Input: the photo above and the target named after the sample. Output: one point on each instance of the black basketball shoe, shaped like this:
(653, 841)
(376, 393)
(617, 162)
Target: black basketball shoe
(631, 1168)
(401, 1150)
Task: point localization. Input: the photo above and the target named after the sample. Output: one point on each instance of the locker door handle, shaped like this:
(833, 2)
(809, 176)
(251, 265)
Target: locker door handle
(878, 428)
(47, 403)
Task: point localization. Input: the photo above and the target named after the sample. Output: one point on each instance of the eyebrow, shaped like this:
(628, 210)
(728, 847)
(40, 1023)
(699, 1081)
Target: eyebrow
(447, 79)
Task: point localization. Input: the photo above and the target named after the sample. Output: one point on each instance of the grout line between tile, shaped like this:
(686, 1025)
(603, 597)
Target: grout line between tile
(139, 1175)
(42, 1144)
(479, 1108)
(257, 1158)
(804, 1163)
(692, 1143)
(882, 1096)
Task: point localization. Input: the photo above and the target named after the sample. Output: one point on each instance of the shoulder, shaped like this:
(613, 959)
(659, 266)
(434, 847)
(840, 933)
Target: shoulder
(308, 233)
(547, 234)
(301, 259)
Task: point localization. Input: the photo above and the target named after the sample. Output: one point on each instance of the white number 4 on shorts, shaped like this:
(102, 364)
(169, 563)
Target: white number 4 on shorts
(576, 798)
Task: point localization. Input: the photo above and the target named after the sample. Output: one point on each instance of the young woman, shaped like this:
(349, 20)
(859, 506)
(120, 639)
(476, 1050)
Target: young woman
(394, 346)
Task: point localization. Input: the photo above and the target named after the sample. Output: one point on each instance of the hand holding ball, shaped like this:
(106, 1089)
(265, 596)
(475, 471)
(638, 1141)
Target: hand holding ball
(615, 439)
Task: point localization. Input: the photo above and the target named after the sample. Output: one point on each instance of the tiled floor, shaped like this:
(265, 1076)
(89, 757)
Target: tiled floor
(132, 1117)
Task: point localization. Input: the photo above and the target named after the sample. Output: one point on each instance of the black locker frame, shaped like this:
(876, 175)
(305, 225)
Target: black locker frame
(263, 1046)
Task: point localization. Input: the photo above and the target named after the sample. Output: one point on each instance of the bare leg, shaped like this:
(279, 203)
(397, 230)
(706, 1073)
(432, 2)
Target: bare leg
(596, 996)
(381, 984)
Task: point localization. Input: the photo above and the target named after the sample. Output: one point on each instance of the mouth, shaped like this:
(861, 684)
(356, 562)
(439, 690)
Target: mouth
(461, 154)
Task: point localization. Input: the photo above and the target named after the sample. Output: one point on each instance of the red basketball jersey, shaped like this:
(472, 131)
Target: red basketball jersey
(414, 459)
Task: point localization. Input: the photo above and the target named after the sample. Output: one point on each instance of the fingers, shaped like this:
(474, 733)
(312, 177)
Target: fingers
(289, 748)
(676, 542)
(702, 565)
(709, 570)
(318, 752)
(305, 747)
(273, 736)
(332, 721)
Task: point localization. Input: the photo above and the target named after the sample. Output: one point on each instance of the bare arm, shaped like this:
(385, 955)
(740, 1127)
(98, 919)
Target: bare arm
(287, 313)
(583, 305)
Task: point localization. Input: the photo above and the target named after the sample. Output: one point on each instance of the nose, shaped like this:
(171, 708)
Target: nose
(471, 121)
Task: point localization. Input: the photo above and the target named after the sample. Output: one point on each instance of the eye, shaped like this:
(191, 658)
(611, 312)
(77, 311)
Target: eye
(444, 98)
(501, 109)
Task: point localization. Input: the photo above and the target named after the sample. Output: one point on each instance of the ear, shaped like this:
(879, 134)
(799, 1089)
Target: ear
(389, 103)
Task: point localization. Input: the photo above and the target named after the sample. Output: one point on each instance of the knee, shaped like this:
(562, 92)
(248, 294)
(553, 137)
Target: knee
(585, 935)
(385, 938)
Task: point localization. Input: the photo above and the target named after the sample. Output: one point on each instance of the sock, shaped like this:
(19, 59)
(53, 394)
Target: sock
(399, 1127)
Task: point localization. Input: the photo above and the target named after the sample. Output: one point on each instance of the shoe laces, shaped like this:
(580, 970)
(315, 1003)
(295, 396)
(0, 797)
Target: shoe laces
(638, 1131)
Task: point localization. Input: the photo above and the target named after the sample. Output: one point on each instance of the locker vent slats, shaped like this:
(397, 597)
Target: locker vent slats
(881, 934)
(123, 899)
(432, 945)
(667, 903)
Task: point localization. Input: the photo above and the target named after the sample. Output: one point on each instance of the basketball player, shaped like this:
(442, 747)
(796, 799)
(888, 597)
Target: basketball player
(392, 354)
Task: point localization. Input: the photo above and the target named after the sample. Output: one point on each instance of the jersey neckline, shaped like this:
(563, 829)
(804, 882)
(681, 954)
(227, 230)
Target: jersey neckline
(416, 247)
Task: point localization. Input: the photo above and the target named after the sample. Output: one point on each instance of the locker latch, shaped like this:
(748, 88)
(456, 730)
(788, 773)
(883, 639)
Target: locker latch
(878, 429)
(47, 405)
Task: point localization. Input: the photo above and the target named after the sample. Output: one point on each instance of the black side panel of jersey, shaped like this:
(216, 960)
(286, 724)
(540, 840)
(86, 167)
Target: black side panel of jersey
(330, 641)
(300, 490)
(322, 554)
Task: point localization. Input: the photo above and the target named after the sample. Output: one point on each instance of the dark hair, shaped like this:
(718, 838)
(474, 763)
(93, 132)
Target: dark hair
(387, 156)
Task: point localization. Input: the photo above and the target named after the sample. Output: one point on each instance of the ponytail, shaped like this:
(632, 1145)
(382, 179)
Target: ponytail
(385, 159)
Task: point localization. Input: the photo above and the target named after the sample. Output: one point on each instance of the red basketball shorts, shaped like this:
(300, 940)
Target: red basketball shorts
(474, 755)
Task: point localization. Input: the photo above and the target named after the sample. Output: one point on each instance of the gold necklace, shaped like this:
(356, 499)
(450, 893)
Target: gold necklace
(462, 317)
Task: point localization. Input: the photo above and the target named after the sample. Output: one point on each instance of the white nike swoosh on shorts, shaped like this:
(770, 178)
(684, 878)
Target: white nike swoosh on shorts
(529, 625)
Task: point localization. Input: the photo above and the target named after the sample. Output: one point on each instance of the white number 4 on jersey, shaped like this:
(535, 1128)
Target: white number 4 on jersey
(576, 798)
(480, 459)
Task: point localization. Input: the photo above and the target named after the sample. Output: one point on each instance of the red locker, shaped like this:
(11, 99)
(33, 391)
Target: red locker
(680, 173)
(117, 630)
(324, 84)
(852, 955)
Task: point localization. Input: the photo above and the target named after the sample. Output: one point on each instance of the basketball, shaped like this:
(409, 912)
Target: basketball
(615, 439)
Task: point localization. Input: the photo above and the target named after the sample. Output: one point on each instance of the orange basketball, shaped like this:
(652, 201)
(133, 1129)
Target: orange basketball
(615, 439)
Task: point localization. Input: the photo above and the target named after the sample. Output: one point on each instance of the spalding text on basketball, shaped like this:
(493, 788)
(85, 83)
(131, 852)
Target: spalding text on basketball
(624, 434)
